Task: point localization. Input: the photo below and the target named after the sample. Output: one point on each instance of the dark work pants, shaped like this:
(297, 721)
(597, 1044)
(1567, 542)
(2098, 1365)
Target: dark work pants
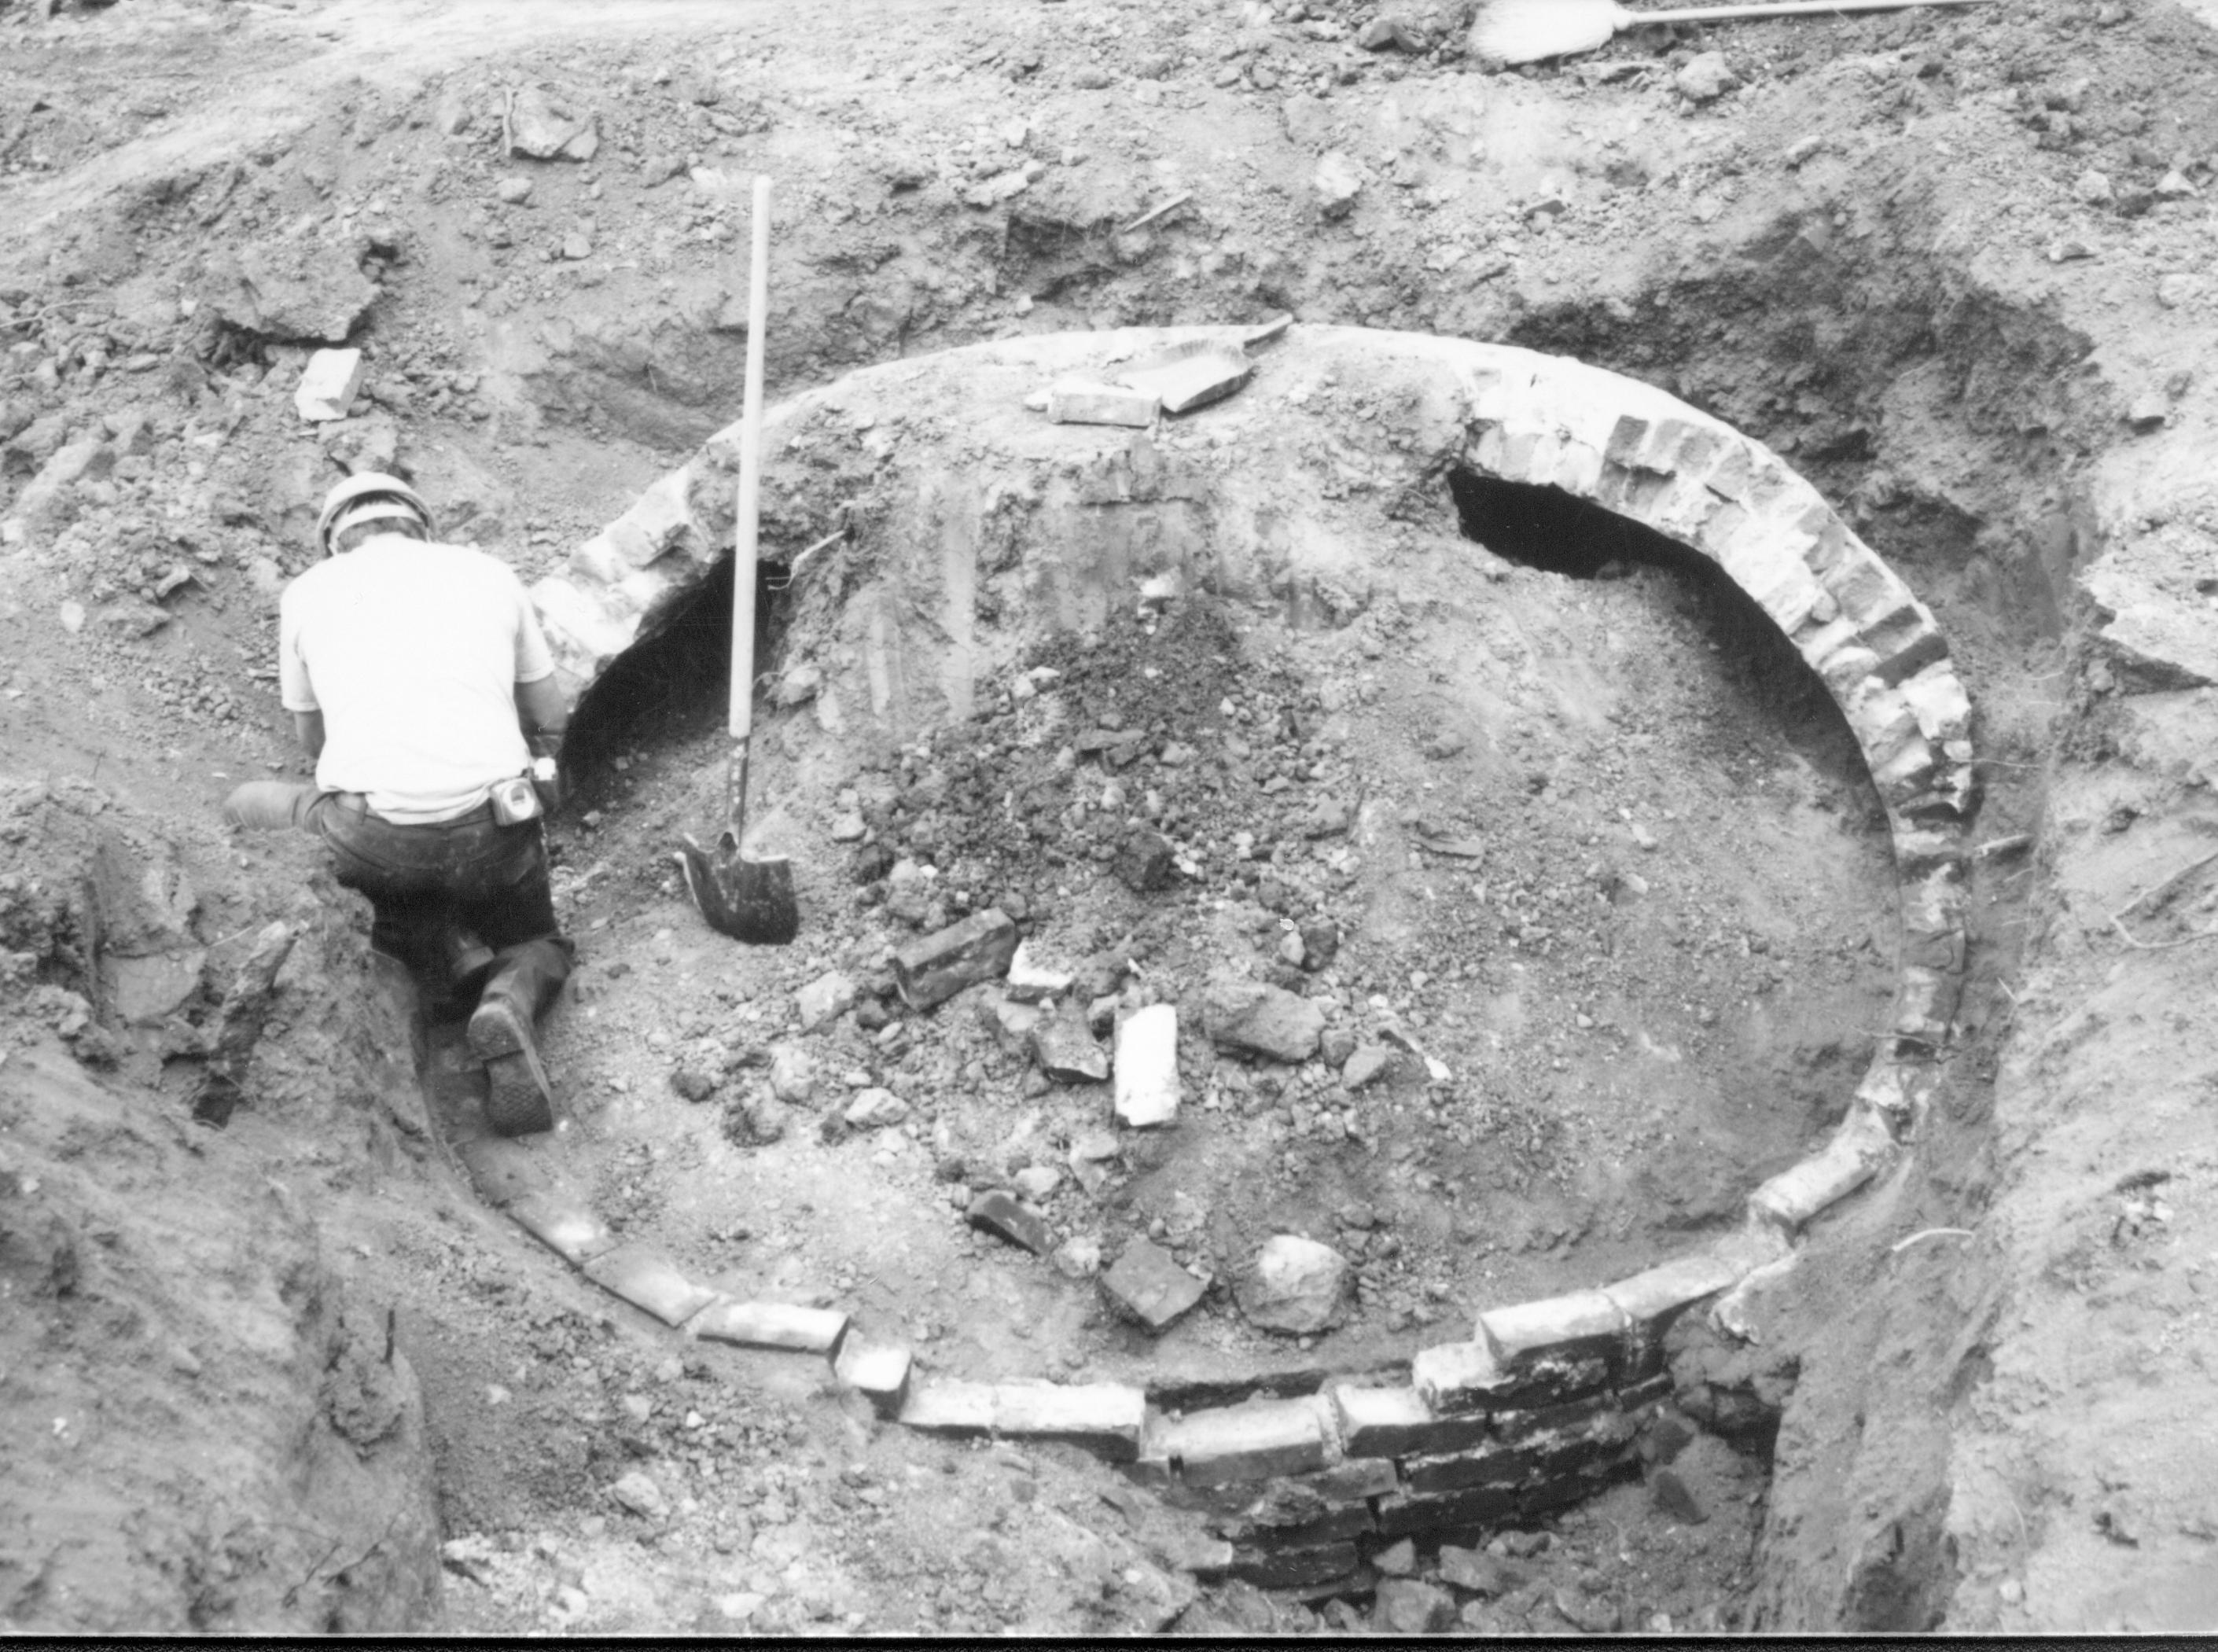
(426, 882)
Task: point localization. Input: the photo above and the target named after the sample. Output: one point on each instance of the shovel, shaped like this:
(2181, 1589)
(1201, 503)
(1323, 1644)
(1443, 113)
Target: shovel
(1506, 33)
(748, 900)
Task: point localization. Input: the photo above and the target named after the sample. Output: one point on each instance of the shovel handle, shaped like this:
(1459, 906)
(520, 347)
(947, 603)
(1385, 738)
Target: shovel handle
(750, 498)
(1781, 8)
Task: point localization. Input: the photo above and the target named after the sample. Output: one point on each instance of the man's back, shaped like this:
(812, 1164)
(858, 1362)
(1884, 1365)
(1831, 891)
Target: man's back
(411, 652)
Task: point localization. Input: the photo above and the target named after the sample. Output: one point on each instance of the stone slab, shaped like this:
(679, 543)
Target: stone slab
(1103, 1418)
(1254, 1441)
(328, 385)
(1077, 401)
(957, 1410)
(775, 1325)
(1148, 1285)
(1396, 1421)
(649, 1283)
(878, 1372)
(1458, 1377)
(1405, 1514)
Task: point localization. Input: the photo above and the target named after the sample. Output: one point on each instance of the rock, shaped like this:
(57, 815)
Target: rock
(2174, 185)
(1013, 1025)
(545, 128)
(513, 191)
(43, 495)
(932, 970)
(2148, 411)
(639, 1494)
(1148, 1285)
(874, 1109)
(1037, 1182)
(1369, 1064)
(696, 1080)
(1335, 183)
(133, 619)
(2178, 290)
(1295, 1286)
(823, 999)
(1397, 1559)
(328, 385)
(1144, 863)
(1320, 943)
(1067, 1050)
(1384, 34)
(1030, 982)
(1706, 78)
(1673, 1499)
(799, 685)
(33, 444)
(792, 1074)
(1406, 1606)
(1241, 1014)
(756, 1121)
(1147, 1068)
(1078, 1257)
(1329, 819)
(1589, 1616)
(576, 247)
(1002, 1213)
(308, 291)
(849, 828)
(2092, 189)
(909, 889)
(1291, 952)
(1476, 1570)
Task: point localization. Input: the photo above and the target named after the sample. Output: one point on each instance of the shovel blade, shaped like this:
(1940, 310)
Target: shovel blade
(750, 901)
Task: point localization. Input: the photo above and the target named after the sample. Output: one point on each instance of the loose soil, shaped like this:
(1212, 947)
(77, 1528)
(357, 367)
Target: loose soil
(1950, 264)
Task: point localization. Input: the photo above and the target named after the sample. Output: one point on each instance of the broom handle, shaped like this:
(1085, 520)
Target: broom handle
(750, 501)
(1781, 9)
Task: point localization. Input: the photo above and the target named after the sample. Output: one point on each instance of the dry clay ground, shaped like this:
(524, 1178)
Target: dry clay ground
(1765, 242)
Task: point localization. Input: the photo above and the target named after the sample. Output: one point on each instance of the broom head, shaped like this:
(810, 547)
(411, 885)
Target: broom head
(1506, 33)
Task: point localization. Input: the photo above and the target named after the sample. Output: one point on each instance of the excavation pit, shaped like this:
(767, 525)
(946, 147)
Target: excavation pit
(1534, 939)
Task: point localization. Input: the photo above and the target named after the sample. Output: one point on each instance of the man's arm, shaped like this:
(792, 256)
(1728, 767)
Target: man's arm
(308, 727)
(540, 711)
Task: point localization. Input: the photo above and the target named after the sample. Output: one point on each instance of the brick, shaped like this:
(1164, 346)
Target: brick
(1855, 1154)
(1576, 468)
(328, 385)
(1249, 1442)
(1285, 1569)
(1514, 1427)
(952, 1409)
(569, 1229)
(649, 1283)
(1146, 1068)
(1661, 1292)
(1580, 1322)
(578, 627)
(1936, 697)
(775, 1325)
(1352, 1478)
(1682, 509)
(1628, 441)
(1077, 401)
(1490, 1464)
(1925, 1004)
(1328, 1526)
(998, 1211)
(597, 560)
(1185, 376)
(1149, 1285)
(1935, 904)
(1103, 1418)
(1921, 849)
(1866, 588)
(1489, 450)
(1756, 1244)
(933, 969)
(1404, 1514)
(1396, 1421)
(1456, 1376)
(1729, 476)
(1549, 1496)
(1888, 1093)
(878, 1372)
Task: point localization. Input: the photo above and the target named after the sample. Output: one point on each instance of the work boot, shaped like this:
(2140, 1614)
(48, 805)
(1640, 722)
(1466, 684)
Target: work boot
(503, 1034)
(468, 961)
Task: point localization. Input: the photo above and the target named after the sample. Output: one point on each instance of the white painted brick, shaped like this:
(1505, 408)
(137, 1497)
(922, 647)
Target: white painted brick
(1252, 1441)
(1537, 1328)
(1147, 1078)
(649, 1283)
(1103, 1417)
(774, 1325)
(1671, 1286)
(1392, 1421)
(1856, 1153)
(1456, 1376)
(328, 385)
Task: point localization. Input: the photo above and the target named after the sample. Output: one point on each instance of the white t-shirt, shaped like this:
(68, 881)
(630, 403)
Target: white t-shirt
(412, 652)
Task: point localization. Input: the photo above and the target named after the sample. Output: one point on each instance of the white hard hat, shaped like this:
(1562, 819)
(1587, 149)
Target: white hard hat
(373, 494)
